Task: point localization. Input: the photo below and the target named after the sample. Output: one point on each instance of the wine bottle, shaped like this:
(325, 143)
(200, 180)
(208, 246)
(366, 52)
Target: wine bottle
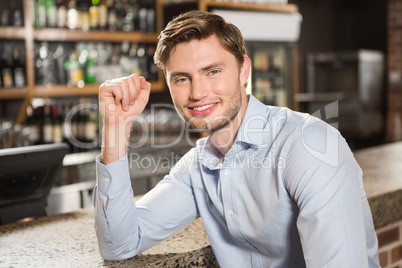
(6, 70)
(47, 124)
(18, 68)
(57, 131)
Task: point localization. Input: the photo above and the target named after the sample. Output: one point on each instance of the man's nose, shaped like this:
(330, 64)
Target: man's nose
(199, 89)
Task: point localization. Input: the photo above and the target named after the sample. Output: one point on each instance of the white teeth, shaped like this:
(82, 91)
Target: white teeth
(200, 108)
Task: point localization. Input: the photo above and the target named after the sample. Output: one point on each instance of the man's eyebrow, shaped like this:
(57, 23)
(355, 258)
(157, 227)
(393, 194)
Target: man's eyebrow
(212, 66)
(176, 74)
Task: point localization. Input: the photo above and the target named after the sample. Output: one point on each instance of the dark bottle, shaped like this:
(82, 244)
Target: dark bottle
(32, 123)
(6, 70)
(57, 125)
(16, 15)
(60, 57)
(47, 127)
(18, 68)
(112, 15)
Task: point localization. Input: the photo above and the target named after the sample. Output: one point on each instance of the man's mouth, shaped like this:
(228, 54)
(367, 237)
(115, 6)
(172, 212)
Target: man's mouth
(201, 108)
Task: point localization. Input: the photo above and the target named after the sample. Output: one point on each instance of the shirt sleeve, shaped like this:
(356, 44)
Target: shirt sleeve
(124, 227)
(334, 221)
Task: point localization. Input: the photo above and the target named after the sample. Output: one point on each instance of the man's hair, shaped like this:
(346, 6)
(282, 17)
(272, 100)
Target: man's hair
(197, 25)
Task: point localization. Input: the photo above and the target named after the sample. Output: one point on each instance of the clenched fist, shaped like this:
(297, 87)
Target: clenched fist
(126, 96)
(121, 101)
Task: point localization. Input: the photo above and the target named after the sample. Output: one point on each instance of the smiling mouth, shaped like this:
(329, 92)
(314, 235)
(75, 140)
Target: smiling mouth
(201, 108)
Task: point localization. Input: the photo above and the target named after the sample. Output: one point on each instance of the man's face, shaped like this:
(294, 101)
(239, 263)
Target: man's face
(205, 83)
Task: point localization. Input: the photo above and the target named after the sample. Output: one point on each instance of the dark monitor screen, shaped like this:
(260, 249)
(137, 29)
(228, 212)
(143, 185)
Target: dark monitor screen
(26, 176)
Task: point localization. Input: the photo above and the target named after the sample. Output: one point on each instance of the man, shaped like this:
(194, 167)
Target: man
(274, 188)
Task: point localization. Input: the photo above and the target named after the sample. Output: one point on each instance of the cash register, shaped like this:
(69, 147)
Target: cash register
(26, 176)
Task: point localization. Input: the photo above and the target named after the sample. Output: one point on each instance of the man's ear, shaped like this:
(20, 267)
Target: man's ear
(245, 70)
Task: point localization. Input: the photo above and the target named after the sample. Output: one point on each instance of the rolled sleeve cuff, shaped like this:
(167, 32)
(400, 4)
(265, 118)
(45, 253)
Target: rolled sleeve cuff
(112, 178)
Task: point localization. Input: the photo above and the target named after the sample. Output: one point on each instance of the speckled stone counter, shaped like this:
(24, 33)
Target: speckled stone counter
(382, 176)
(69, 240)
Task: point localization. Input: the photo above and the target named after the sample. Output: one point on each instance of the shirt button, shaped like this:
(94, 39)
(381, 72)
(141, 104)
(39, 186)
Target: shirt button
(246, 244)
(220, 165)
(226, 172)
(106, 180)
(230, 212)
(105, 219)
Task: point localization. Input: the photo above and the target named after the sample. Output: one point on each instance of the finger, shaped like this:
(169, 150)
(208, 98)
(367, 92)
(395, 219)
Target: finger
(118, 95)
(125, 95)
(131, 89)
(145, 89)
(137, 82)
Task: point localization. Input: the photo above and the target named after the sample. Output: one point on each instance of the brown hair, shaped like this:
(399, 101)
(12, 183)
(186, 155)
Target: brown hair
(197, 25)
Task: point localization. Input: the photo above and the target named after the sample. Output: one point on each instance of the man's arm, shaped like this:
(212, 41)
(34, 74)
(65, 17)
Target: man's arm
(334, 221)
(122, 228)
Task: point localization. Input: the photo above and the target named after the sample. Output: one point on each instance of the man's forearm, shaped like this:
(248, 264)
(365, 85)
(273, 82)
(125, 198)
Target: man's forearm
(115, 139)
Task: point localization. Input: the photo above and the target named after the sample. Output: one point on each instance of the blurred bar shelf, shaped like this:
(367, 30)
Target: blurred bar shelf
(49, 34)
(13, 93)
(12, 32)
(87, 90)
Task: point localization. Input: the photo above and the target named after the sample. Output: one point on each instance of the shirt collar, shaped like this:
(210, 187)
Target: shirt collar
(254, 124)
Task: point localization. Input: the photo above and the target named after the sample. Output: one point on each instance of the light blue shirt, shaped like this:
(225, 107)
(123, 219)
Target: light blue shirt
(289, 193)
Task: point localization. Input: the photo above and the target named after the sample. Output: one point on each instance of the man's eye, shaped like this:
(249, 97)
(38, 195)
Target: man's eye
(214, 72)
(181, 80)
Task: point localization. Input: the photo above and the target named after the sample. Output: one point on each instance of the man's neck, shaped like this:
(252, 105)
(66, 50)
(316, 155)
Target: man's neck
(225, 137)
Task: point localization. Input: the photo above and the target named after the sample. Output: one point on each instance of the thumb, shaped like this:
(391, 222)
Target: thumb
(144, 84)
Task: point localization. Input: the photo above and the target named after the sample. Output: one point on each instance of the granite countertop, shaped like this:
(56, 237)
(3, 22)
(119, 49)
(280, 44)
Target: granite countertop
(382, 177)
(69, 240)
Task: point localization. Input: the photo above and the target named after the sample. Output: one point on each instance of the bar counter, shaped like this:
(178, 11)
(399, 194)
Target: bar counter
(68, 240)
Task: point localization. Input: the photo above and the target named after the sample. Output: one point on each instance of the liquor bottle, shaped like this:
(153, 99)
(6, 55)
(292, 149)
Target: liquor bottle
(142, 59)
(6, 70)
(81, 125)
(125, 60)
(40, 13)
(91, 127)
(47, 128)
(103, 15)
(112, 16)
(143, 19)
(73, 16)
(120, 8)
(74, 70)
(16, 15)
(91, 66)
(18, 68)
(135, 66)
(152, 68)
(84, 19)
(61, 14)
(44, 65)
(4, 15)
(33, 126)
(94, 15)
(57, 121)
(51, 13)
(128, 21)
(59, 57)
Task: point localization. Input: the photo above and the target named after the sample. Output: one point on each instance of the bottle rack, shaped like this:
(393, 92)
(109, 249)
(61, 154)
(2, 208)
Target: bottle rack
(29, 34)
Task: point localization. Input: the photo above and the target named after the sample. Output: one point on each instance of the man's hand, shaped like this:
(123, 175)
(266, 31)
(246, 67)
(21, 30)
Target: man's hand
(121, 101)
